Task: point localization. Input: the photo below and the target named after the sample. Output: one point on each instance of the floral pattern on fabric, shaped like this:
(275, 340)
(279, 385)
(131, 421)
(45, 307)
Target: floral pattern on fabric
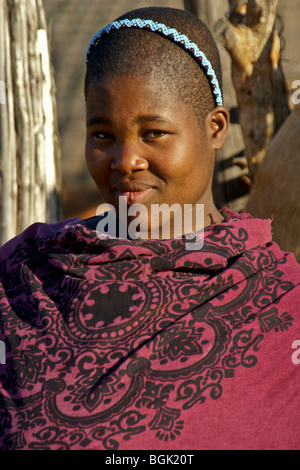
(110, 339)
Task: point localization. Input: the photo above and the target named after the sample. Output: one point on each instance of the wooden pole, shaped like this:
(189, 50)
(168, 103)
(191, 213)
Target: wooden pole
(192, 6)
(29, 147)
(8, 153)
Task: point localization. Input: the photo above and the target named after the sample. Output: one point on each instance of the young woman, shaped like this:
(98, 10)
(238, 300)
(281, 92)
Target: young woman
(151, 342)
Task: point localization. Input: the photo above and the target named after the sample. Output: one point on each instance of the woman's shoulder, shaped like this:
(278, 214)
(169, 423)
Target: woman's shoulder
(92, 222)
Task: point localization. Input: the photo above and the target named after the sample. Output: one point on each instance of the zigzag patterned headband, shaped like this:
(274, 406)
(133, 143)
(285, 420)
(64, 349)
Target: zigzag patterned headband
(173, 34)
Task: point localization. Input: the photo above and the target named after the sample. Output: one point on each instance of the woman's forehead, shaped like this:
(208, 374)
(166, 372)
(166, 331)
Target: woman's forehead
(136, 96)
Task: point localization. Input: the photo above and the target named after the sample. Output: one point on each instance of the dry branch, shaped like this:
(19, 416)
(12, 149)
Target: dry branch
(250, 37)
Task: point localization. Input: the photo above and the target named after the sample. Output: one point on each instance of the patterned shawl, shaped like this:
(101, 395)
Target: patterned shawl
(120, 344)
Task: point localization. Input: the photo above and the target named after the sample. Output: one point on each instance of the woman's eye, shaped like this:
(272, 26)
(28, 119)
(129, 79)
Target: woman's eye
(153, 134)
(103, 136)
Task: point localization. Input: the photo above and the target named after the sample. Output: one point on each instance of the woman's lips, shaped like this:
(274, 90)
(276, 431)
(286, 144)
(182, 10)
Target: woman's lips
(136, 196)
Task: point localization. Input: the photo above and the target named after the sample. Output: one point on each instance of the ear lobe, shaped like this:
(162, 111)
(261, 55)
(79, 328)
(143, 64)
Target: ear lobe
(218, 124)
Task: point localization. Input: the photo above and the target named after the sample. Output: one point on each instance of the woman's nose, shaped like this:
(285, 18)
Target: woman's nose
(127, 159)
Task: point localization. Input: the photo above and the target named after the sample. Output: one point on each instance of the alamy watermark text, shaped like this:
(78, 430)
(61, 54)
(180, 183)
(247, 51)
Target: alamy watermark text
(165, 222)
(296, 354)
(2, 353)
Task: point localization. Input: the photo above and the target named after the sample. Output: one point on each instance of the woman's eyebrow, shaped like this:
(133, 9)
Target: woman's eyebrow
(138, 120)
(151, 118)
(97, 120)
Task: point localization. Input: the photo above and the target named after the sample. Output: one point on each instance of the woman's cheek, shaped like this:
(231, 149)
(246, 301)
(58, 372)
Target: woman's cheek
(94, 157)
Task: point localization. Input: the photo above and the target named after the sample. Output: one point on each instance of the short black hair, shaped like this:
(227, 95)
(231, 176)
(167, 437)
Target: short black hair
(144, 53)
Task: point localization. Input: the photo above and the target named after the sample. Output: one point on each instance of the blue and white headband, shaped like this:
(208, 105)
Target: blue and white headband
(173, 34)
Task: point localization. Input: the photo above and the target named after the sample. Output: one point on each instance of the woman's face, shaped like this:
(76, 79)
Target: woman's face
(145, 144)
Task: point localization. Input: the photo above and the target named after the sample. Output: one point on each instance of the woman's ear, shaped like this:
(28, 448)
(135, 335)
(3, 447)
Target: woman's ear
(217, 125)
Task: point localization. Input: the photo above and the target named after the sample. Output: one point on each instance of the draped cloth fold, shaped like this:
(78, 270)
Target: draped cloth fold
(120, 344)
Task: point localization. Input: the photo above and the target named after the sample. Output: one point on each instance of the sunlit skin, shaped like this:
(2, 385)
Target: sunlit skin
(145, 144)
